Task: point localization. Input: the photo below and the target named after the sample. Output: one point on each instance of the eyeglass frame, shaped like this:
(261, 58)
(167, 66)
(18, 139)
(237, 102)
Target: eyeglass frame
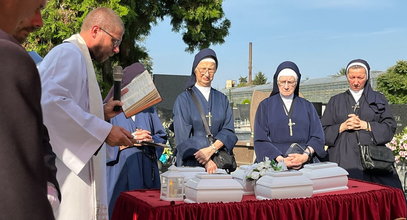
(286, 82)
(116, 42)
(206, 70)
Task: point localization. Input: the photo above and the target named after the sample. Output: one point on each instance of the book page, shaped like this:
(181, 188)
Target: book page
(141, 95)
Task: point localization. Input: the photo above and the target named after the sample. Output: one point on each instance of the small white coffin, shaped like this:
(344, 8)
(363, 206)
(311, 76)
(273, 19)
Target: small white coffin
(283, 185)
(190, 172)
(326, 176)
(213, 188)
(240, 176)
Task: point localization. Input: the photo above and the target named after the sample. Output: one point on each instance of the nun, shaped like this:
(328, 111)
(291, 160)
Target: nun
(363, 110)
(193, 147)
(134, 167)
(285, 120)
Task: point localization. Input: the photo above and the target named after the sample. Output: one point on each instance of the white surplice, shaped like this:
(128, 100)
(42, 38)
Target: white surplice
(73, 113)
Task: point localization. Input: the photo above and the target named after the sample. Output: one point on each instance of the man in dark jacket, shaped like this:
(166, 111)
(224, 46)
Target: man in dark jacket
(23, 173)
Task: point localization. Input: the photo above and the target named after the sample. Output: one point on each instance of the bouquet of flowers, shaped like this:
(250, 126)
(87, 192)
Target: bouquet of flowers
(260, 169)
(399, 146)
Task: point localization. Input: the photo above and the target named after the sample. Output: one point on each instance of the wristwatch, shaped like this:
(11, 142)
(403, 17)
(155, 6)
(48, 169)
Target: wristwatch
(214, 148)
(309, 155)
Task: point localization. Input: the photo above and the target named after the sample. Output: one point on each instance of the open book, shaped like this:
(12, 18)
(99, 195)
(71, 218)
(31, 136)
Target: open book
(142, 94)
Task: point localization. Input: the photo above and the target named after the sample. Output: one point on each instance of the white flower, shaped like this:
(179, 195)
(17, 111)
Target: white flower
(255, 175)
(263, 172)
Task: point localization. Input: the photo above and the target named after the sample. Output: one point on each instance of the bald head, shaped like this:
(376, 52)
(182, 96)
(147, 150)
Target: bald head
(12, 12)
(102, 17)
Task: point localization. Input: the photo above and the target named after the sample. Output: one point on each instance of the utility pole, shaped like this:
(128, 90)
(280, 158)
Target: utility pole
(250, 64)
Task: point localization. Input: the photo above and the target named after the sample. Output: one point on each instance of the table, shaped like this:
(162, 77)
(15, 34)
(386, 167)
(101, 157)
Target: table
(361, 201)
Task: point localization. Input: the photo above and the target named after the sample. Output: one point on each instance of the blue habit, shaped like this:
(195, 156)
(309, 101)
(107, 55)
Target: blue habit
(189, 130)
(272, 133)
(137, 166)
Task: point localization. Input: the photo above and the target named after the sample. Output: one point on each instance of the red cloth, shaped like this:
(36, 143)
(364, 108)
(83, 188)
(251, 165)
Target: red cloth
(361, 201)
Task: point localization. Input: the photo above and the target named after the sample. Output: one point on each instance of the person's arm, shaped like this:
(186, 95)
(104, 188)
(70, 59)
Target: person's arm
(384, 128)
(331, 128)
(75, 134)
(316, 140)
(262, 144)
(226, 136)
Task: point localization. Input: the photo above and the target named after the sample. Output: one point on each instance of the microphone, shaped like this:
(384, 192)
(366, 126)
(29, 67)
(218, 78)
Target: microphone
(117, 81)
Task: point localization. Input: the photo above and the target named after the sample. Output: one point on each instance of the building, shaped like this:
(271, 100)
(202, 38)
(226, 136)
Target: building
(314, 90)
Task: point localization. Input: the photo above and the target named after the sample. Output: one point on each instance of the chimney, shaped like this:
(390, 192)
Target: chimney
(249, 81)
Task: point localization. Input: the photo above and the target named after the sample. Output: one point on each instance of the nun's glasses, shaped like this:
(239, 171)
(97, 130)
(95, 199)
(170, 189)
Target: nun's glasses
(289, 83)
(116, 42)
(205, 70)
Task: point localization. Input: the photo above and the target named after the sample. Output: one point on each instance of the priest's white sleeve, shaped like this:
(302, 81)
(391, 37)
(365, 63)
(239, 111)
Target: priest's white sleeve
(75, 134)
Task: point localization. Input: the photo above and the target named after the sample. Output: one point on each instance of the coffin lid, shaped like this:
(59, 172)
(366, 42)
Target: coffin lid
(323, 170)
(213, 181)
(284, 179)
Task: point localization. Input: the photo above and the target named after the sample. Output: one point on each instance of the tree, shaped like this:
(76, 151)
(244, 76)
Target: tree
(393, 83)
(246, 101)
(201, 23)
(342, 72)
(259, 79)
(242, 81)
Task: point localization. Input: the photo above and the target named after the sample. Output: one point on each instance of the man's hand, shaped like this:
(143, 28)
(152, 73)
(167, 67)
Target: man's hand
(108, 107)
(210, 167)
(119, 136)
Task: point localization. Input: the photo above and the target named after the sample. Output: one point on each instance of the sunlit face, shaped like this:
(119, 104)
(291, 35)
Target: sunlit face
(286, 85)
(204, 73)
(29, 24)
(12, 12)
(109, 43)
(356, 78)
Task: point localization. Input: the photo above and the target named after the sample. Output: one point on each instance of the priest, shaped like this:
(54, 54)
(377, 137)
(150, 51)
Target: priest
(284, 120)
(76, 118)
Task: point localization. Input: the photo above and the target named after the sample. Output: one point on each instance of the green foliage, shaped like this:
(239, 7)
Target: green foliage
(201, 23)
(246, 101)
(259, 79)
(393, 83)
(242, 81)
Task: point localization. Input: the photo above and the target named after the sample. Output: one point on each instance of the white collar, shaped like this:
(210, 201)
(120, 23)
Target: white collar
(356, 94)
(288, 100)
(204, 90)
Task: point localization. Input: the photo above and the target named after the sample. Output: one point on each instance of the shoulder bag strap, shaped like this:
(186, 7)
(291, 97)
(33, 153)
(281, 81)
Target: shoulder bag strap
(198, 105)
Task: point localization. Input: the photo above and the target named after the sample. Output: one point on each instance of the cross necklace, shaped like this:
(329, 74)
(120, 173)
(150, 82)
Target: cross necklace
(288, 113)
(209, 115)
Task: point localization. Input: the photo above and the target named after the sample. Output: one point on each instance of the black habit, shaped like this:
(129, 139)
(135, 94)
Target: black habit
(343, 148)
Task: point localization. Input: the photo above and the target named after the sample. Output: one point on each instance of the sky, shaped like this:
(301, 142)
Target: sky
(320, 36)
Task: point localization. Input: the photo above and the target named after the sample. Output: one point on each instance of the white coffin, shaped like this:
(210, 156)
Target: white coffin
(191, 172)
(240, 176)
(213, 188)
(283, 185)
(326, 176)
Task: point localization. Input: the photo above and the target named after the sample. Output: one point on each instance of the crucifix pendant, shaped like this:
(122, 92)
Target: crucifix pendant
(209, 116)
(291, 124)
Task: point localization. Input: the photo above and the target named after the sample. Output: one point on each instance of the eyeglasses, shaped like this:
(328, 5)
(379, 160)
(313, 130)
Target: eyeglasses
(204, 70)
(116, 42)
(289, 83)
